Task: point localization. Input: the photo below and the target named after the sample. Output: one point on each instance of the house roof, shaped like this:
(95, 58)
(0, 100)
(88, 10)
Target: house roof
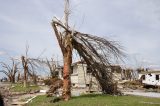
(79, 62)
(149, 72)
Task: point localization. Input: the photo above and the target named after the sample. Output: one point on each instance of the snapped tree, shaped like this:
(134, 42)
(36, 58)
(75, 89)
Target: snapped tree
(29, 65)
(97, 52)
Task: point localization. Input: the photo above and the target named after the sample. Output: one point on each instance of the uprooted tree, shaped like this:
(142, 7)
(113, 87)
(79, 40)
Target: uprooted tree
(10, 70)
(97, 52)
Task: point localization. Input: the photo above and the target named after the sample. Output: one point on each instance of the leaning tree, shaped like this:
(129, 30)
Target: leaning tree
(10, 70)
(97, 52)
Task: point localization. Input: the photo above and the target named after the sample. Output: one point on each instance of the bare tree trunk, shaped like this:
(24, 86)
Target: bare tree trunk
(25, 67)
(67, 58)
(25, 78)
(13, 79)
(18, 77)
(10, 78)
(35, 80)
(66, 74)
(25, 82)
(34, 77)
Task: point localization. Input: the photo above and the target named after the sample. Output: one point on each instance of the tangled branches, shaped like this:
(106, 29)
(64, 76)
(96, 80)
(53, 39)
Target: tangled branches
(97, 52)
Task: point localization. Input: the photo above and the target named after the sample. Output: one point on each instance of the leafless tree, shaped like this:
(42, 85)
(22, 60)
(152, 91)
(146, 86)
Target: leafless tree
(97, 52)
(52, 67)
(18, 76)
(25, 68)
(139, 70)
(128, 73)
(29, 65)
(24, 61)
(10, 70)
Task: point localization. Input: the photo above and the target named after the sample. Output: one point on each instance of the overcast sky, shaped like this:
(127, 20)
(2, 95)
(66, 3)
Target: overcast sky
(134, 23)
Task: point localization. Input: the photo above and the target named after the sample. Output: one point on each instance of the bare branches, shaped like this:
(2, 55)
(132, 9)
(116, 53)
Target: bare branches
(5, 72)
(98, 53)
(96, 46)
(52, 67)
(10, 70)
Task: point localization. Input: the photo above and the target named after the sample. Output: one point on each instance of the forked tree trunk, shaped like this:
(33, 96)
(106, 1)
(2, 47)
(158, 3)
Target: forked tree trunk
(11, 79)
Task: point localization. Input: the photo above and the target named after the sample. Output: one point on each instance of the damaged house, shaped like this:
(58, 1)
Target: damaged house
(150, 78)
(81, 76)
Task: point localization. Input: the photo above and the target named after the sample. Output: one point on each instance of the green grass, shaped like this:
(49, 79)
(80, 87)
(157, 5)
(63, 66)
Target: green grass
(98, 100)
(20, 88)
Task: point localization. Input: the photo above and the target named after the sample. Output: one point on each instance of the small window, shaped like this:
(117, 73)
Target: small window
(87, 85)
(150, 74)
(56, 73)
(71, 70)
(157, 77)
(143, 77)
(73, 84)
(88, 70)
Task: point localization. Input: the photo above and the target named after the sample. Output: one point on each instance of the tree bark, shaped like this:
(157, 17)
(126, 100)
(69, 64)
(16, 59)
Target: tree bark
(65, 43)
(67, 57)
(25, 67)
(66, 74)
(25, 78)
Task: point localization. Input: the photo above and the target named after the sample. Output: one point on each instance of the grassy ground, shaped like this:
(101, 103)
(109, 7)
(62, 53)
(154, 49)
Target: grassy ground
(98, 100)
(20, 88)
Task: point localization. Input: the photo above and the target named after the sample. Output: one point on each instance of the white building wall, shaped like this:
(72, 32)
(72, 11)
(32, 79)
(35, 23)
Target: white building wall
(82, 75)
(150, 79)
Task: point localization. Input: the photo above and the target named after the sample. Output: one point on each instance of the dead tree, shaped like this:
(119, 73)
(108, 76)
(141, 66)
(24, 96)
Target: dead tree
(66, 48)
(52, 67)
(25, 68)
(97, 52)
(128, 73)
(29, 65)
(18, 76)
(139, 70)
(10, 70)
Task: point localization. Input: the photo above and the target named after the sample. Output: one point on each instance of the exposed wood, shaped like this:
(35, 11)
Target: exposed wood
(25, 68)
(97, 52)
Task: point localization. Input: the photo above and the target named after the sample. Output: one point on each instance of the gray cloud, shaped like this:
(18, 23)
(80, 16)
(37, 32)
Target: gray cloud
(135, 23)
(2, 53)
